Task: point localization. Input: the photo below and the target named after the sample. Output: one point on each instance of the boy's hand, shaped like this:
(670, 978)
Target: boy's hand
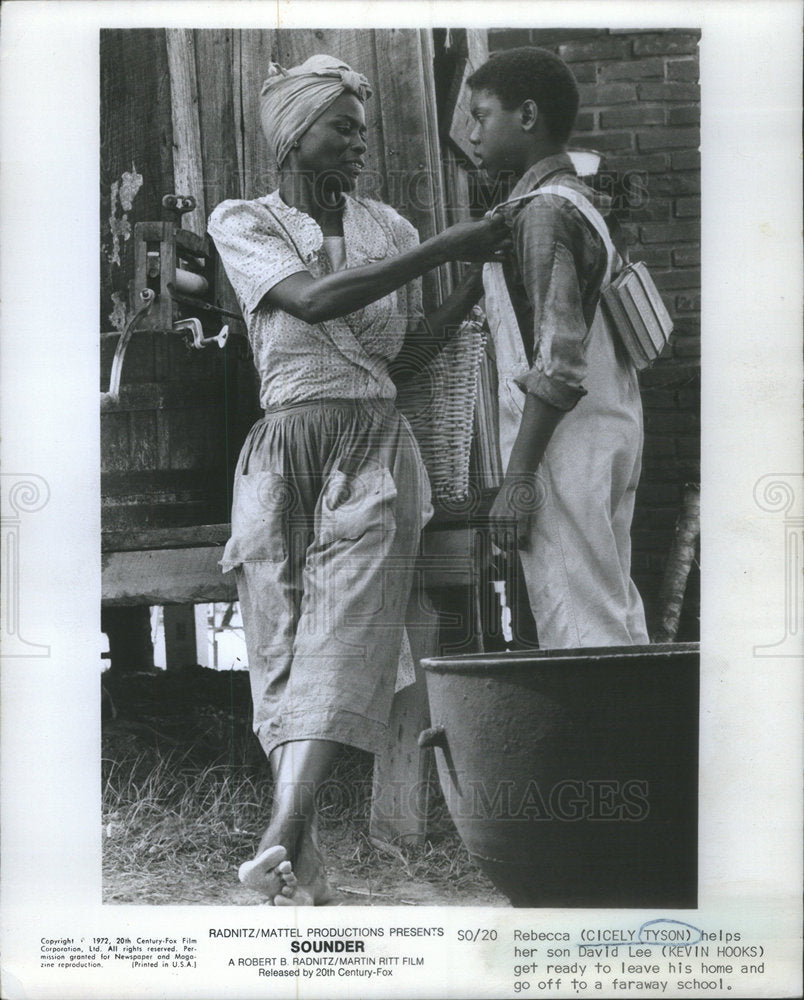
(523, 491)
(517, 500)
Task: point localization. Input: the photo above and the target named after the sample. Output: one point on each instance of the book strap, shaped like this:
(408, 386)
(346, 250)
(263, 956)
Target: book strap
(592, 216)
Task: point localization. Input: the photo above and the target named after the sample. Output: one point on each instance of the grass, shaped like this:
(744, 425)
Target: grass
(187, 795)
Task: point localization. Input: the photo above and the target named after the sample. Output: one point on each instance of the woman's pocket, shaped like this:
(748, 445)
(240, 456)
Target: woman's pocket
(261, 510)
(357, 504)
(424, 490)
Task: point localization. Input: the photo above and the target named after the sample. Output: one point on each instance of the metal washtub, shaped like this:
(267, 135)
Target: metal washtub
(572, 775)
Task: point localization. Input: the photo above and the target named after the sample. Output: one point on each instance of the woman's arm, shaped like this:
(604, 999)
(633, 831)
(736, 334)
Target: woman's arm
(315, 300)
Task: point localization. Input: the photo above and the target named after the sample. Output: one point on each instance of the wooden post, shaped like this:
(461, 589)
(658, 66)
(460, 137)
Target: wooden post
(252, 51)
(461, 122)
(129, 632)
(405, 92)
(402, 774)
(185, 635)
(136, 142)
(187, 161)
(679, 563)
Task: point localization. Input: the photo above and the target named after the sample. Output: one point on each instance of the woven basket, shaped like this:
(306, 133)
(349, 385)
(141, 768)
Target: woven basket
(440, 404)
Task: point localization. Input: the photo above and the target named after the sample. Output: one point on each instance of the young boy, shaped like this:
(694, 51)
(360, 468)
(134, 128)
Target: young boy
(570, 414)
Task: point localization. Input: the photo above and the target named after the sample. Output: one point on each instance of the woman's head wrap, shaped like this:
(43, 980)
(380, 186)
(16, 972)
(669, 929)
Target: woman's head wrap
(292, 99)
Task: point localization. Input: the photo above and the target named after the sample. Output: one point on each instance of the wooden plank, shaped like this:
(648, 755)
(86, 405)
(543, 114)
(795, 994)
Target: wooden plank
(168, 576)
(477, 53)
(406, 93)
(187, 174)
(162, 420)
(135, 139)
(447, 558)
(214, 50)
(160, 512)
(190, 394)
(446, 275)
(128, 630)
(148, 483)
(457, 124)
(402, 773)
(166, 538)
(253, 50)
(128, 442)
(185, 635)
(214, 61)
(457, 200)
(456, 184)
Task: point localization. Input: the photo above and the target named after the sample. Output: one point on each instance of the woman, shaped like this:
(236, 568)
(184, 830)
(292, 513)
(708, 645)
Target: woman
(330, 495)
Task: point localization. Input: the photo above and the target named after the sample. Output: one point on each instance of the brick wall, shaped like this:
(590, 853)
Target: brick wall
(640, 108)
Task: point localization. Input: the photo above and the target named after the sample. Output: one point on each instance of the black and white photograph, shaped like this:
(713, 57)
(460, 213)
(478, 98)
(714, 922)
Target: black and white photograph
(413, 395)
(428, 566)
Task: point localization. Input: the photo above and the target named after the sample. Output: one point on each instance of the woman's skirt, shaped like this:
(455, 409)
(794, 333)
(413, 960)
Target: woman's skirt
(329, 501)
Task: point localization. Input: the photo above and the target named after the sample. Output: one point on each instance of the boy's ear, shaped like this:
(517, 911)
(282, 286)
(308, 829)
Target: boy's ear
(528, 115)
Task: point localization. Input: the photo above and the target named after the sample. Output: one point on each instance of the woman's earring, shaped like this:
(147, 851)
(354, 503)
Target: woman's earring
(295, 145)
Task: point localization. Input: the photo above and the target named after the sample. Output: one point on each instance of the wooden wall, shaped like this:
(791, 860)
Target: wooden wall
(180, 113)
(165, 94)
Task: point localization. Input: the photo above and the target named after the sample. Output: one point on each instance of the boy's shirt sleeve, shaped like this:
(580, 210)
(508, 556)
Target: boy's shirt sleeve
(550, 273)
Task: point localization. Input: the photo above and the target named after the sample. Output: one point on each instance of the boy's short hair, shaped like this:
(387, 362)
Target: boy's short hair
(530, 73)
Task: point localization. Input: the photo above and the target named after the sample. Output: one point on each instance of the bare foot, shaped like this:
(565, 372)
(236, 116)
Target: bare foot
(285, 883)
(293, 893)
(262, 873)
(318, 893)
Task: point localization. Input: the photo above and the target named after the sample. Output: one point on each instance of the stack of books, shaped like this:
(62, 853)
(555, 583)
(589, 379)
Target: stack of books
(638, 313)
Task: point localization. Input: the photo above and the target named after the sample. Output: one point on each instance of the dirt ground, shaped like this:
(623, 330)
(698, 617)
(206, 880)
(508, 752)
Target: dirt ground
(186, 796)
(381, 885)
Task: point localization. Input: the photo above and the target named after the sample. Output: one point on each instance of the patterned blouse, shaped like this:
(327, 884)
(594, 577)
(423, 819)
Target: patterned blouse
(261, 242)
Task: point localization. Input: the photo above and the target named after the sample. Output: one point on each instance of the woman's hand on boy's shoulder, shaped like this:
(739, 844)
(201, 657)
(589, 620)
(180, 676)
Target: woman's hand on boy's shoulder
(478, 241)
